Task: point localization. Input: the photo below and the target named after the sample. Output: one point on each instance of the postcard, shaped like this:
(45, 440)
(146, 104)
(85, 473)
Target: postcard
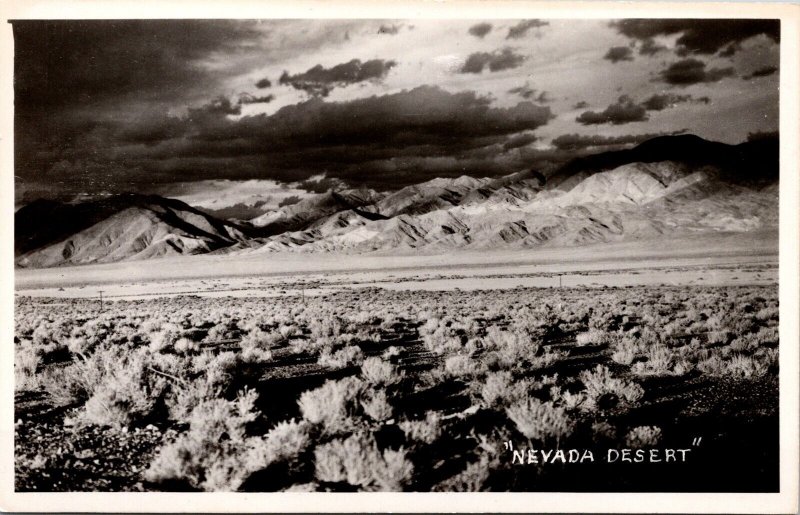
(460, 256)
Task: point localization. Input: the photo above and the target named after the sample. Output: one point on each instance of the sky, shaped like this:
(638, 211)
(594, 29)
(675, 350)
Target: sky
(153, 106)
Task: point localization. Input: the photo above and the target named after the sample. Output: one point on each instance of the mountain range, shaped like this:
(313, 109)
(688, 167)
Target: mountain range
(671, 185)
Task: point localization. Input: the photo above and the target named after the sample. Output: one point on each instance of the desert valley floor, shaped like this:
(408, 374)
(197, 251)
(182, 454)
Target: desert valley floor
(344, 373)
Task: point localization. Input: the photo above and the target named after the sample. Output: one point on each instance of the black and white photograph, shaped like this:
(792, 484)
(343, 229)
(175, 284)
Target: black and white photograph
(398, 254)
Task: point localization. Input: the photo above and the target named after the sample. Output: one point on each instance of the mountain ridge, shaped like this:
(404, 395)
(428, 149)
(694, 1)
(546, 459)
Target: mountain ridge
(668, 185)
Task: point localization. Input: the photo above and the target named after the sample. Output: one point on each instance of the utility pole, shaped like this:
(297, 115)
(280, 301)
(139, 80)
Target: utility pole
(559, 280)
(101, 300)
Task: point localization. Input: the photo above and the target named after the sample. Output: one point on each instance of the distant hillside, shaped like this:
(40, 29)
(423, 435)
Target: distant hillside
(118, 228)
(673, 185)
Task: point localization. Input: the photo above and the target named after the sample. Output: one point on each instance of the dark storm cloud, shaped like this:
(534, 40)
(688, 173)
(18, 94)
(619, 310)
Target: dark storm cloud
(480, 30)
(263, 83)
(659, 102)
(619, 53)
(519, 140)
(579, 141)
(75, 63)
(319, 81)
(220, 105)
(761, 72)
(529, 93)
(504, 59)
(247, 98)
(649, 47)
(700, 36)
(624, 110)
(521, 29)
(692, 71)
(349, 139)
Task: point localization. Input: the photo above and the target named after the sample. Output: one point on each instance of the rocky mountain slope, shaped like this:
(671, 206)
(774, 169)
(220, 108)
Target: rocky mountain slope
(124, 227)
(666, 186)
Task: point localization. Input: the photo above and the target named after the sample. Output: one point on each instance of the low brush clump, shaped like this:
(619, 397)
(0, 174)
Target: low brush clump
(605, 391)
(216, 454)
(540, 421)
(357, 461)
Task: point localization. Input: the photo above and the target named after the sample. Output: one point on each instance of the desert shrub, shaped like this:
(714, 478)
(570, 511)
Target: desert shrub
(325, 330)
(513, 348)
(358, 461)
(472, 479)
(64, 385)
(185, 346)
(164, 339)
(603, 431)
(593, 337)
(425, 431)
(442, 342)
(286, 441)
(378, 372)
(661, 361)
(212, 374)
(768, 313)
(547, 358)
(600, 385)
(541, 421)
(125, 390)
(376, 405)
(496, 387)
(215, 454)
(746, 367)
(333, 404)
(625, 350)
(221, 331)
(643, 436)
(256, 346)
(462, 366)
(260, 339)
(350, 356)
(79, 345)
(720, 337)
(566, 398)
(26, 363)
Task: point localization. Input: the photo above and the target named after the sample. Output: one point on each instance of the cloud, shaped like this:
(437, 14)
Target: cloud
(480, 30)
(621, 112)
(692, 71)
(263, 83)
(619, 53)
(220, 105)
(389, 29)
(319, 81)
(98, 60)
(659, 102)
(700, 36)
(761, 72)
(528, 93)
(247, 98)
(290, 200)
(649, 47)
(359, 141)
(521, 29)
(504, 59)
(519, 140)
(579, 141)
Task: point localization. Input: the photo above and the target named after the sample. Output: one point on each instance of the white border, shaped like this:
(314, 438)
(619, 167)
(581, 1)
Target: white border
(784, 502)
